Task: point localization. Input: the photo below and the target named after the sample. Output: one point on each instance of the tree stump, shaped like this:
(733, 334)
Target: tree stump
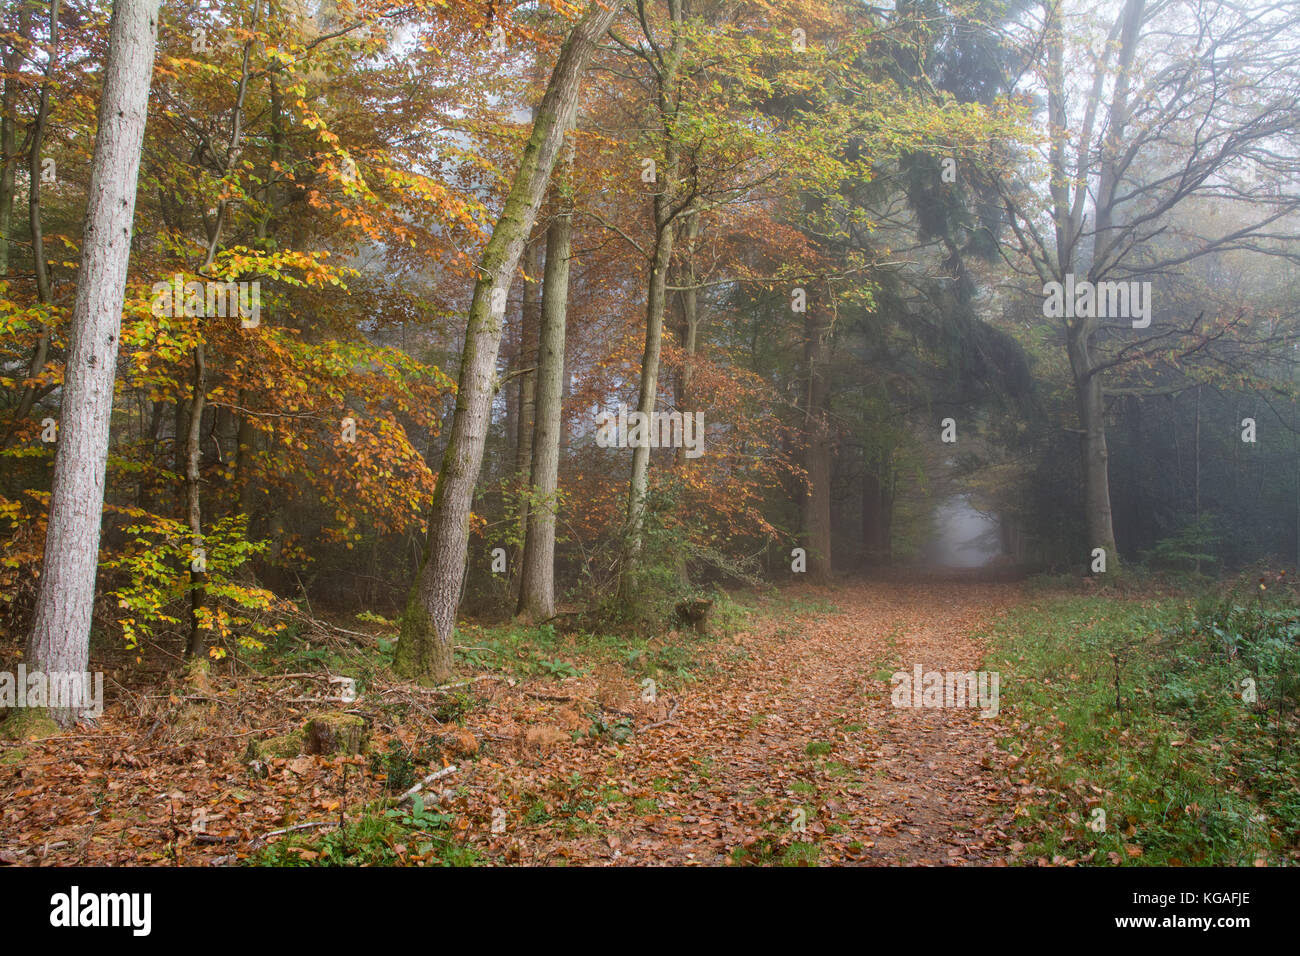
(694, 614)
(330, 733)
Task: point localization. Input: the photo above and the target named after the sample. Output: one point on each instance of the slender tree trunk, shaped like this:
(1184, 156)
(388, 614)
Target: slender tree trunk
(245, 450)
(665, 229)
(639, 485)
(12, 60)
(530, 319)
(688, 336)
(1196, 476)
(193, 502)
(199, 383)
(60, 636)
(40, 266)
(537, 585)
(144, 497)
(1089, 394)
(424, 648)
(1096, 473)
(871, 516)
(817, 450)
(888, 495)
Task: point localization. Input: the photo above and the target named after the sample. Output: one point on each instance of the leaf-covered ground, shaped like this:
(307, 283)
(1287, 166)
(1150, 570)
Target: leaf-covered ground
(780, 745)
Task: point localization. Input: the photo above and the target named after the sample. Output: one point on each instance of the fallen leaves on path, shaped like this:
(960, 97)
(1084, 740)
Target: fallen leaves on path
(786, 748)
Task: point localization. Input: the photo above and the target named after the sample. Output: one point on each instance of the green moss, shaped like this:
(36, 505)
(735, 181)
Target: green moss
(419, 654)
(286, 745)
(28, 723)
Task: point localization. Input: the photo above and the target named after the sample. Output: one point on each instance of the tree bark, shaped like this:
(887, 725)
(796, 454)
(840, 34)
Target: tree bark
(688, 336)
(1089, 395)
(665, 230)
(872, 514)
(12, 60)
(639, 485)
(1090, 401)
(39, 264)
(530, 320)
(424, 648)
(60, 636)
(817, 450)
(537, 583)
(193, 502)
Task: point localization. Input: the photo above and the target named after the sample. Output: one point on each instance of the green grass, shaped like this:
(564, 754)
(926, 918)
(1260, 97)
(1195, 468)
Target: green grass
(413, 835)
(1135, 707)
(769, 852)
(541, 651)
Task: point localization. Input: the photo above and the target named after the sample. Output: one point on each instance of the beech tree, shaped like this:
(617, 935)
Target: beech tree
(537, 577)
(1177, 104)
(424, 648)
(60, 636)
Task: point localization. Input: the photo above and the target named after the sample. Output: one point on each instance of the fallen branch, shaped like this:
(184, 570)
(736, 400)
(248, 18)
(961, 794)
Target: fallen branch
(436, 775)
(314, 622)
(300, 826)
(261, 840)
(464, 683)
(320, 700)
(295, 676)
(343, 630)
(417, 689)
(667, 720)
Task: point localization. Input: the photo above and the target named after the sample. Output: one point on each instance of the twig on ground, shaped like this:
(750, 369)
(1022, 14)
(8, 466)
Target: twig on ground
(436, 775)
(294, 676)
(667, 720)
(261, 840)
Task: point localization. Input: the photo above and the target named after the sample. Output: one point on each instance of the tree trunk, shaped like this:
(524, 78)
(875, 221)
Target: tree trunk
(530, 319)
(8, 138)
(537, 585)
(424, 648)
(688, 337)
(245, 452)
(39, 264)
(1096, 475)
(871, 517)
(193, 502)
(656, 296)
(60, 635)
(639, 485)
(817, 450)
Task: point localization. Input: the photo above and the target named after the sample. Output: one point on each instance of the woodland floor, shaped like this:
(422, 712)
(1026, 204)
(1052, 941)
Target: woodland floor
(792, 713)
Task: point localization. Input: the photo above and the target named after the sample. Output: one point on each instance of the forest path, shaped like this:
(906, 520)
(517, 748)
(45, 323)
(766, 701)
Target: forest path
(783, 747)
(791, 749)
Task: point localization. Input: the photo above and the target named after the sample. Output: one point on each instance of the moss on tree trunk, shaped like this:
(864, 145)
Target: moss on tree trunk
(420, 654)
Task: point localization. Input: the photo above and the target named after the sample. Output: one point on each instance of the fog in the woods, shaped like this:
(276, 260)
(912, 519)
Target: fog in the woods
(962, 536)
